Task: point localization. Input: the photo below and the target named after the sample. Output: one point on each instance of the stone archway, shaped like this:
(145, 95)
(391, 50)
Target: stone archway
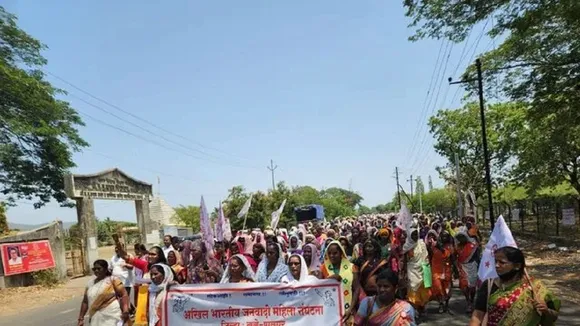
(112, 184)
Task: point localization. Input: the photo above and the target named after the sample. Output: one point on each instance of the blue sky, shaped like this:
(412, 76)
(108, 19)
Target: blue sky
(331, 91)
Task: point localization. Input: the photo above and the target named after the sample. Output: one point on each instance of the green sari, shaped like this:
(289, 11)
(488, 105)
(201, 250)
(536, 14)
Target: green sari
(514, 305)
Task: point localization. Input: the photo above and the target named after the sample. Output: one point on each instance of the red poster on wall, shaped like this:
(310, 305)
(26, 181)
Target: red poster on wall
(26, 257)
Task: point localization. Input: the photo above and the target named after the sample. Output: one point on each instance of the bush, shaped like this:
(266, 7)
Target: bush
(46, 278)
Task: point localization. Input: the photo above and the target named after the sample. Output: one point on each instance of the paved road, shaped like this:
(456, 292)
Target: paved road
(66, 314)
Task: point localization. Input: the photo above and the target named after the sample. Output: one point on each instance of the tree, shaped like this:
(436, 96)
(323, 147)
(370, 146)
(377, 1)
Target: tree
(188, 216)
(37, 131)
(3, 220)
(537, 63)
(458, 132)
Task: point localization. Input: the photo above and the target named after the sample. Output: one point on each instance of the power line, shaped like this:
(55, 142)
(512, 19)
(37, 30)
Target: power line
(423, 110)
(143, 138)
(418, 157)
(138, 117)
(151, 132)
(272, 168)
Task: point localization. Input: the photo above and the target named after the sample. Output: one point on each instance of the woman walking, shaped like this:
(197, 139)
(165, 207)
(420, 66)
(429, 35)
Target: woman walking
(513, 298)
(105, 299)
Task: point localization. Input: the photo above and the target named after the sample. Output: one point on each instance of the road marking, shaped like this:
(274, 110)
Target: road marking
(67, 311)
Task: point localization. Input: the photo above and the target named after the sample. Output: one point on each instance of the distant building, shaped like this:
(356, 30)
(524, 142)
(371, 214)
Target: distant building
(161, 212)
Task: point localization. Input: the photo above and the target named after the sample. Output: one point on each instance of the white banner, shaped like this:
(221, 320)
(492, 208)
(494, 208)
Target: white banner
(515, 214)
(254, 304)
(568, 216)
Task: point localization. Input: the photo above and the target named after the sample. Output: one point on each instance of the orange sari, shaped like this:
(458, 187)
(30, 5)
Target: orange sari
(441, 270)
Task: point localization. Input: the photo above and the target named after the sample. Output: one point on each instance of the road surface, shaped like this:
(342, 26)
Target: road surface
(66, 314)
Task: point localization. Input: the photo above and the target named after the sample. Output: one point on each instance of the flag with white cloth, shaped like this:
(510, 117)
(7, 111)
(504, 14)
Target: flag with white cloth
(205, 226)
(220, 224)
(227, 230)
(276, 216)
(500, 237)
(246, 207)
(405, 219)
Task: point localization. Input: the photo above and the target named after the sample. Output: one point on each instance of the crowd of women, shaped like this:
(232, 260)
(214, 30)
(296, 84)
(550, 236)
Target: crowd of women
(388, 273)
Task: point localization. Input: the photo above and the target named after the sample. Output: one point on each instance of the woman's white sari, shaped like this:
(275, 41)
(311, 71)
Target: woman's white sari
(109, 315)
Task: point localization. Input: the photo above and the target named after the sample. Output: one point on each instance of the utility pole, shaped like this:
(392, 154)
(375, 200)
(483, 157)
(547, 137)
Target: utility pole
(272, 168)
(458, 185)
(479, 81)
(420, 193)
(398, 186)
(411, 182)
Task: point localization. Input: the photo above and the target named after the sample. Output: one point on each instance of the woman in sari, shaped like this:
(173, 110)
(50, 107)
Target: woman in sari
(238, 247)
(202, 268)
(272, 268)
(514, 298)
(384, 238)
(416, 258)
(295, 245)
(468, 264)
(347, 247)
(238, 271)
(298, 270)
(105, 299)
(312, 258)
(384, 309)
(161, 278)
(441, 256)
(369, 266)
(174, 261)
(337, 266)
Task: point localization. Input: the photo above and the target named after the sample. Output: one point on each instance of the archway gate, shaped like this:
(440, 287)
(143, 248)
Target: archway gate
(112, 184)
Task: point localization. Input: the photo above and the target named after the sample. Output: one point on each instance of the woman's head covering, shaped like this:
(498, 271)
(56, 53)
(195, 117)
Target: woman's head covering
(315, 260)
(279, 271)
(410, 244)
(304, 274)
(464, 232)
(155, 298)
(186, 252)
(298, 243)
(247, 273)
(248, 246)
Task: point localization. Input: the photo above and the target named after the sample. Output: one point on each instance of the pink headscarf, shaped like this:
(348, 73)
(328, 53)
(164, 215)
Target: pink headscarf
(315, 260)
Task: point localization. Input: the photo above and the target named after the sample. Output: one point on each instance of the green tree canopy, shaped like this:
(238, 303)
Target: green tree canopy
(187, 216)
(536, 63)
(37, 131)
(459, 132)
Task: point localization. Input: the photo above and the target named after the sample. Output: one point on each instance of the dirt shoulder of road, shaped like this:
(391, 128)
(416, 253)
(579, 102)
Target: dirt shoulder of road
(558, 268)
(18, 300)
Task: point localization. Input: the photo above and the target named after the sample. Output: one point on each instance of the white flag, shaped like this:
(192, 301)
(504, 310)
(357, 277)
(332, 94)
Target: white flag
(220, 224)
(227, 230)
(500, 237)
(246, 207)
(405, 219)
(205, 226)
(276, 216)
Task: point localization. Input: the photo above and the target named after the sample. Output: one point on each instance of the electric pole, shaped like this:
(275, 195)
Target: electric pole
(398, 186)
(458, 185)
(479, 81)
(420, 191)
(411, 182)
(272, 168)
